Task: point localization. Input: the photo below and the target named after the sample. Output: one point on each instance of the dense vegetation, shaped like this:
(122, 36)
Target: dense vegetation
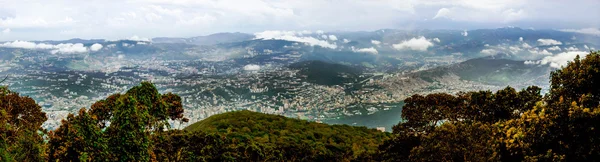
(507, 125)
(309, 141)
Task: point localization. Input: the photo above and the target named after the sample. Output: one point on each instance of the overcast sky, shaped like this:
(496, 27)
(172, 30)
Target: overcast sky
(116, 19)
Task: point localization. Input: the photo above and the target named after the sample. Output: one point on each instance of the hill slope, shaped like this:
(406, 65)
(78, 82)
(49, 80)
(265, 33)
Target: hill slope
(493, 71)
(274, 131)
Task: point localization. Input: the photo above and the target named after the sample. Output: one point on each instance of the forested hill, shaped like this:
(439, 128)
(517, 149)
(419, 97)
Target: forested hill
(320, 141)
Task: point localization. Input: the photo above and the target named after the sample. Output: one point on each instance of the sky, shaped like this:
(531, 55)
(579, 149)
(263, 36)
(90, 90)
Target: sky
(118, 19)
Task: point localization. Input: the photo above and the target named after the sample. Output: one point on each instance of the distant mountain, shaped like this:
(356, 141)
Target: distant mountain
(212, 39)
(493, 70)
(324, 73)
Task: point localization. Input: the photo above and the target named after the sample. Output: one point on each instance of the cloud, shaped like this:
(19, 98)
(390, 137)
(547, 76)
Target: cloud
(27, 45)
(546, 42)
(520, 39)
(64, 48)
(333, 38)
(489, 51)
(375, 42)
(346, 41)
(558, 60)
(465, 33)
(590, 31)
(95, 47)
(294, 36)
(69, 48)
(6, 31)
(572, 49)
(251, 67)
(525, 45)
(538, 52)
(186, 18)
(417, 44)
(442, 13)
(436, 40)
(137, 38)
(370, 50)
(554, 48)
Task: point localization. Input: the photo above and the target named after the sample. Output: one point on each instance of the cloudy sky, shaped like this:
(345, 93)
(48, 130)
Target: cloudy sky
(116, 19)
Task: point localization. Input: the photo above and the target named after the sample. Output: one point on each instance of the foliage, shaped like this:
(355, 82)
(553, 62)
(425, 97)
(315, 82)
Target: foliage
(258, 137)
(506, 125)
(118, 128)
(20, 128)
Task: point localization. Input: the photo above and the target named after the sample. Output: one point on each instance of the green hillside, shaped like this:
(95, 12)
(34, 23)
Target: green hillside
(319, 141)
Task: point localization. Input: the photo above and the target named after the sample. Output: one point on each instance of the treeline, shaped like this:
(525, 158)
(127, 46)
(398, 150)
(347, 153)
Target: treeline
(507, 125)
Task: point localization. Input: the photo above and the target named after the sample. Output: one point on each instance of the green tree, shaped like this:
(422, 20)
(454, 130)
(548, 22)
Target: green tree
(20, 128)
(78, 138)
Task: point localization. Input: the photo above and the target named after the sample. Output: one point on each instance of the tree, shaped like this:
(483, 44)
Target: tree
(20, 128)
(124, 122)
(578, 81)
(78, 138)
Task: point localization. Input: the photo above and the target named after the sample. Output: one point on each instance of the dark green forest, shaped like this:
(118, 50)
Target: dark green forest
(506, 125)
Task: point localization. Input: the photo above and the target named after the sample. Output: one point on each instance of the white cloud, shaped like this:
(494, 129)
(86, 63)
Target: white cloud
(590, 31)
(520, 39)
(346, 41)
(320, 32)
(572, 49)
(442, 13)
(538, 52)
(64, 48)
(294, 36)
(554, 48)
(27, 45)
(436, 40)
(525, 45)
(95, 47)
(324, 36)
(137, 38)
(186, 18)
(515, 49)
(510, 15)
(333, 38)
(251, 67)
(417, 44)
(69, 48)
(6, 31)
(586, 47)
(545, 42)
(558, 60)
(465, 33)
(370, 50)
(375, 42)
(529, 62)
(489, 52)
